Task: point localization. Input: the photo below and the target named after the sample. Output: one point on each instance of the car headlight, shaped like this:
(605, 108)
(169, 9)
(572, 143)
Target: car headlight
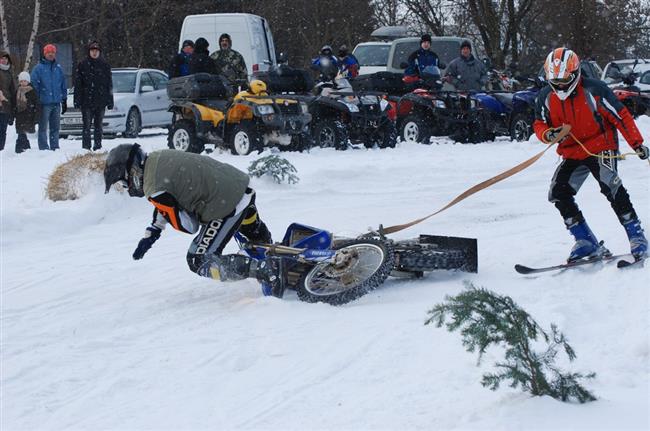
(304, 108)
(351, 106)
(383, 103)
(264, 109)
(439, 104)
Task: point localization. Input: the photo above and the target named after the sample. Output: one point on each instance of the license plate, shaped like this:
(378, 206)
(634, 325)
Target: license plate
(71, 120)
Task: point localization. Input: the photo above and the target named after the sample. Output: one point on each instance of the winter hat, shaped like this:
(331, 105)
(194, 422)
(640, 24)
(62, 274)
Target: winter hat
(201, 44)
(225, 36)
(49, 48)
(188, 43)
(94, 45)
(343, 51)
(466, 44)
(24, 76)
(425, 38)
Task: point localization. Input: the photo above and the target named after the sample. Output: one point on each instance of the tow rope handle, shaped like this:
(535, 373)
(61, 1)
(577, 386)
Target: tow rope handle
(562, 133)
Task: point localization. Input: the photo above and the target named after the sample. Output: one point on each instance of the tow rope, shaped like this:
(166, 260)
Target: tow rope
(565, 130)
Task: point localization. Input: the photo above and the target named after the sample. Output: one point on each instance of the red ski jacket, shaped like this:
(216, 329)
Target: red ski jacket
(594, 113)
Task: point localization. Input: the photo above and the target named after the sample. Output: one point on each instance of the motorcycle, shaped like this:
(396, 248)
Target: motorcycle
(323, 268)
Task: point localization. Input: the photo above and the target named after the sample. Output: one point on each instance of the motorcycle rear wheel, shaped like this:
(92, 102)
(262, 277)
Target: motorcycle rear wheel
(363, 265)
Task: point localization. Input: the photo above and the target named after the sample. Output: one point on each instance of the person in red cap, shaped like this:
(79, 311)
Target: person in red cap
(93, 93)
(48, 80)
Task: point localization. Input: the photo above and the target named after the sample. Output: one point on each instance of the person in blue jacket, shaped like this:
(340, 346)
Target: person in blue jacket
(422, 58)
(349, 65)
(48, 80)
(326, 63)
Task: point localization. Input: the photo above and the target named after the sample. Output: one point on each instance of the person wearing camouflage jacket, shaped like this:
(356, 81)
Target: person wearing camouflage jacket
(230, 63)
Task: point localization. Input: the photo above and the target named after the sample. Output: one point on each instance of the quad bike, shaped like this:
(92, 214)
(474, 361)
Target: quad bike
(635, 100)
(341, 114)
(510, 114)
(427, 111)
(204, 113)
(324, 268)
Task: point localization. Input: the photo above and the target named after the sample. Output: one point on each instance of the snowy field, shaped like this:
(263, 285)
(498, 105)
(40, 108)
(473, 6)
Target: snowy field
(93, 340)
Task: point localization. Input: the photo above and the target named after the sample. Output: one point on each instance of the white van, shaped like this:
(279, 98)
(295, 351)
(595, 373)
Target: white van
(251, 36)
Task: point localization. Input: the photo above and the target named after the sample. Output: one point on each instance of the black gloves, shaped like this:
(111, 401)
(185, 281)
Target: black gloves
(110, 107)
(151, 235)
(11, 122)
(64, 107)
(642, 151)
(551, 134)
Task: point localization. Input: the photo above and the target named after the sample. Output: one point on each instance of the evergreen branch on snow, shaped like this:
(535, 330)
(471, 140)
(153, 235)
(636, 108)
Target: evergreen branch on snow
(275, 166)
(485, 319)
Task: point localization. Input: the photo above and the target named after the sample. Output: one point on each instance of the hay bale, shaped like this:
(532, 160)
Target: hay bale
(72, 179)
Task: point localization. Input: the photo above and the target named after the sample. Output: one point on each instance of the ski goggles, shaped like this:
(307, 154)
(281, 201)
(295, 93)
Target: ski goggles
(562, 82)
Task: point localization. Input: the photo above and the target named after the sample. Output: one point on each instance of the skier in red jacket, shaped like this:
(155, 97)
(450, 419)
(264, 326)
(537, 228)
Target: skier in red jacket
(595, 116)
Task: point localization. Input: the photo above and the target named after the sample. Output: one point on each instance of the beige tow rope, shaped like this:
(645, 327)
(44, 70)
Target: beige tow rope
(566, 130)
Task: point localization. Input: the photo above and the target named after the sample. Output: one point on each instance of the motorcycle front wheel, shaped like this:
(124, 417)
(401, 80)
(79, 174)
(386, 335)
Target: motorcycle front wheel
(360, 266)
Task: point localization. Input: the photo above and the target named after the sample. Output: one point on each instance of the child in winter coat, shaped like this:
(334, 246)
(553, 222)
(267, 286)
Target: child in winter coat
(27, 111)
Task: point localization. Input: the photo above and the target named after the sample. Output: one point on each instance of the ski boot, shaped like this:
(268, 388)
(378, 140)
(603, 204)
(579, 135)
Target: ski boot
(586, 246)
(269, 273)
(638, 241)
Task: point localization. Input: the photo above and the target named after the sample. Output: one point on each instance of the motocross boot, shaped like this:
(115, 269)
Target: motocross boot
(269, 273)
(587, 245)
(638, 241)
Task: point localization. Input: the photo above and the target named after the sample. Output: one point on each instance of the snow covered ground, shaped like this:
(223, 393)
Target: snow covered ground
(94, 340)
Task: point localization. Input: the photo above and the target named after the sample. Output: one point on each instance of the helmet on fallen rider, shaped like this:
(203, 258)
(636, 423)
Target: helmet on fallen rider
(125, 166)
(562, 68)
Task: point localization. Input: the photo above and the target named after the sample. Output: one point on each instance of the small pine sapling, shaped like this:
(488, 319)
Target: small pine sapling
(278, 168)
(485, 318)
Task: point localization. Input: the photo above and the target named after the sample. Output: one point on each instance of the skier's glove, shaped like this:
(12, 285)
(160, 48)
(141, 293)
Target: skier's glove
(642, 151)
(151, 235)
(551, 134)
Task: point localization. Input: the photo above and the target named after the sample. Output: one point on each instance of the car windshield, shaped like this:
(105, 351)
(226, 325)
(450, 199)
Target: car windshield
(372, 55)
(124, 82)
(446, 50)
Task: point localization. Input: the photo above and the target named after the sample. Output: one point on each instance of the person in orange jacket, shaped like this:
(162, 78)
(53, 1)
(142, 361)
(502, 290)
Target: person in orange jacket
(595, 116)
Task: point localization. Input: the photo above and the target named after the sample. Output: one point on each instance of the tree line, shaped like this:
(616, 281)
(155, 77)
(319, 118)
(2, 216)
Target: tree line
(144, 33)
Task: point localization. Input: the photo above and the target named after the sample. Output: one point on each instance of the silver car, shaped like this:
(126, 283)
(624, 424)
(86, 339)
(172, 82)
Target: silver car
(141, 101)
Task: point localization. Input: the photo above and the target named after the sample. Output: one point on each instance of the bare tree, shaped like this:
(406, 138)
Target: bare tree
(389, 12)
(3, 23)
(32, 37)
(431, 13)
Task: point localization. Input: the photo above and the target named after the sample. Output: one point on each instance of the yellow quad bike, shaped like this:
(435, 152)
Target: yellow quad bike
(249, 122)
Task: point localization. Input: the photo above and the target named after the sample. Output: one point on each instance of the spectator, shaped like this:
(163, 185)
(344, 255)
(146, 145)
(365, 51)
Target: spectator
(326, 64)
(466, 72)
(27, 111)
(93, 93)
(229, 62)
(422, 58)
(200, 61)
(48, 81)
(348, 63)
(7, 96)
(180, 65)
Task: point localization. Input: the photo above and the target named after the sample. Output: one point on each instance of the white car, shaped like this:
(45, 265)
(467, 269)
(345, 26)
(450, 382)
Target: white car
(372, 57)
(141, 101)
(613, 69)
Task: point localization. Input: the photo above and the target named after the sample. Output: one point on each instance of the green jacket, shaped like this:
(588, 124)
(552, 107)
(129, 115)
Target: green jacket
(201, 185)
(230, 64)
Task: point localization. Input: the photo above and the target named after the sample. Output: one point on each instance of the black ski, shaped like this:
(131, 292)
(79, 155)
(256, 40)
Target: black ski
(521, 269)
(627, 264)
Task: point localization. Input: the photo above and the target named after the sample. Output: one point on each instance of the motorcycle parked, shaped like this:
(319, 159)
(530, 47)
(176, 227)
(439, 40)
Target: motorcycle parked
(323, 268)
